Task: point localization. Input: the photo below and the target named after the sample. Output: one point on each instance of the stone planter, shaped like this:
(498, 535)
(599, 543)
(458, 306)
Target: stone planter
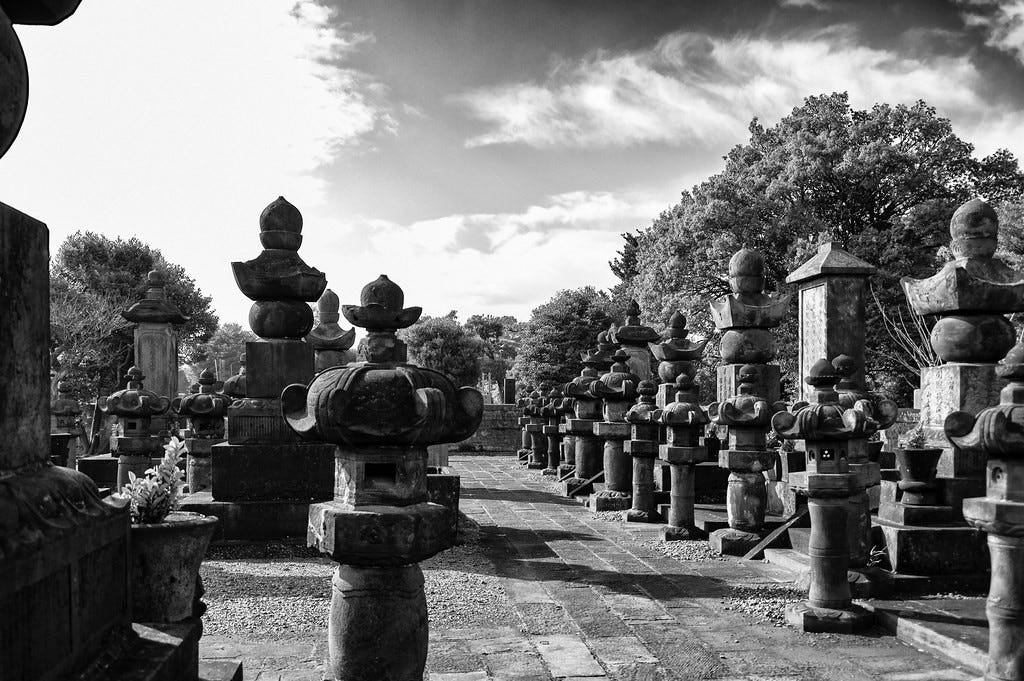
(917, 469)
(165, 559)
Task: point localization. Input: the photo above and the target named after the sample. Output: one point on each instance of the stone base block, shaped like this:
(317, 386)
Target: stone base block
(806, 617)
(294, 472)
(252, 520)
(733, 542)
(571, 484)
(637, 516)
(951, 493)
(536, 465)
(271, 366)
(902, 514)
(258, 421)
(564, 470)
(379, 536)
(935, 550)
(612, 430)
(669, 533)
(550, 471)
(102, 468)
(609, 501)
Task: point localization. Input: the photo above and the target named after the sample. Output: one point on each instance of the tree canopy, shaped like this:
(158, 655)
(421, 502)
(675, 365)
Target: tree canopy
(557, 332)
(881, 182)
(442, 344)
(92, 275)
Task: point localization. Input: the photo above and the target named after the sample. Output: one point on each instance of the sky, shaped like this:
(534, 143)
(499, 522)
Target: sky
(482, 153)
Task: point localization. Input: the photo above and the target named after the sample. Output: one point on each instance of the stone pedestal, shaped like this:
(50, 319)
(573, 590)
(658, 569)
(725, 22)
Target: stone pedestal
(645, 433)
(746, 500)
(588, 455)
(618, 468)
(524, 440)
(538, 445)
(684, 421)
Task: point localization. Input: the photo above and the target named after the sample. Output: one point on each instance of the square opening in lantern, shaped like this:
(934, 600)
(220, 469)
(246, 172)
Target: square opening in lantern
(380, 474)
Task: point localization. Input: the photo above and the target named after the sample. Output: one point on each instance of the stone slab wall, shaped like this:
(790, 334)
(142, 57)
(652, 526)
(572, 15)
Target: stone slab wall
(498, 432)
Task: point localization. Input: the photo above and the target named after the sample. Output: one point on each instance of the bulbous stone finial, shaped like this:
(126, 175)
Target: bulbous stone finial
(974, 228)
(328, 306)
(632, 332)
(746, 271)
(380, 307)
(675, 353)
(281, 216)
(330, 341)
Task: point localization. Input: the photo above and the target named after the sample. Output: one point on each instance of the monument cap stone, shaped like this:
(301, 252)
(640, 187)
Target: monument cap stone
(155, 307)
(831, 260)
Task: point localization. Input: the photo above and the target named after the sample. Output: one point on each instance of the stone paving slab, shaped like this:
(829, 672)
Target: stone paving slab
(595, 599)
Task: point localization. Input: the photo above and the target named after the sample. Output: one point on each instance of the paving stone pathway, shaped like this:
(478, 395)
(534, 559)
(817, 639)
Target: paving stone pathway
(569, 595)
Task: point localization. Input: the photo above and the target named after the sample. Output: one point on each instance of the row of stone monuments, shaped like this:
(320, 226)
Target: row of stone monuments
(607, 432)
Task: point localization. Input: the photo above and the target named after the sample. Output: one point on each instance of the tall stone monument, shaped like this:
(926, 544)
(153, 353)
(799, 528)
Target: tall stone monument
(263, 478)
(744, 317)
(156, 321)
(381, 413)
(64, 592)
(642, 445)
(998, 434)
(832, 298)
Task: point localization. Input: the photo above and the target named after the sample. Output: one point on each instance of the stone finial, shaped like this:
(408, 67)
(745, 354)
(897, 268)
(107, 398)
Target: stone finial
(645, 410)
(746, 271)
(974, 229)
(881, 411)
(381, 307)
(748, 306)
(328, 334)
(632, 332)
(675, 352)
(235, 385)
(278, 281)
(155, 307)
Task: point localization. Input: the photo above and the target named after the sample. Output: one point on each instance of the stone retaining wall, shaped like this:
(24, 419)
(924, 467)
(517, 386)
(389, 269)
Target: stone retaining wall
(498, 432)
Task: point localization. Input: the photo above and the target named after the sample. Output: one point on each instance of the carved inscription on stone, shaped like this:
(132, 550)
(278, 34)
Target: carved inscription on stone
(813, 341)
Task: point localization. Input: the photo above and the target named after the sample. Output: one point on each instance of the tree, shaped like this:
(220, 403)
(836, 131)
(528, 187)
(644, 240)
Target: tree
(225, 346)
(98, 268)
(882, 182)
(557, 332)
(499, 343)
(442, 344)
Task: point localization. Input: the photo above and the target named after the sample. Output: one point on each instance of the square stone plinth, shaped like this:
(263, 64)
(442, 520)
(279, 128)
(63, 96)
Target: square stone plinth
(258, 421)
(682, 455)
(904, 514)
(642, 448)
(299, 472)
(580, 426)
(612, 430)
(935, 550)
(752, 460)
(271, 366)
(829, 484)
(379, 536)
(956, 387)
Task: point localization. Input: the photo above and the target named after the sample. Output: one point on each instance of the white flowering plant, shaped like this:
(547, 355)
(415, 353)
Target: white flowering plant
(151, 498)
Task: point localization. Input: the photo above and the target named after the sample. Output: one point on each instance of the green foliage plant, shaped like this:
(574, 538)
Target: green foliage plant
(153, 497)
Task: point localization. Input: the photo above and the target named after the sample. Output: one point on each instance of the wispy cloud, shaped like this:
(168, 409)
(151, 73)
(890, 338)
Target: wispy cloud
(1002, 21)
(694, 88)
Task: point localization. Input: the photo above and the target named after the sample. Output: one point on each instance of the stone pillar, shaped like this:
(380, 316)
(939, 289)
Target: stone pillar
(746, 416)
(380, 524)
(329, 341)
(617, 390)
(634, 337)
(828, 484)
(580, 425)
(745, 317)
(156, 336)
(970, 294)
(832, 298)
(643, 447)
(684, 421)
(996, 433)
(567, 445)
(552, 416)
(535, 428)
(205, 411)
(135, 407)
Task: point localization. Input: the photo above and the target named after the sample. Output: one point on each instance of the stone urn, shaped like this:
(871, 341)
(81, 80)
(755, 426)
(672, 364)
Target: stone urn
(917, 467)
(165, 560)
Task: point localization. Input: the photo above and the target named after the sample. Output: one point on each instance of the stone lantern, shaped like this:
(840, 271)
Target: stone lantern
(135, 407)
(65, 424)
(567, 444)
(645, 434)
(538, 442)
(205, 411)
(381, 413)
(617, 390)
(330, 342)
(684, 421)
(580, 425)
(998, 434)
(525, 447)
(552, 415)
(745, 317)
(634, 337)
(826, 429)
(747, 418)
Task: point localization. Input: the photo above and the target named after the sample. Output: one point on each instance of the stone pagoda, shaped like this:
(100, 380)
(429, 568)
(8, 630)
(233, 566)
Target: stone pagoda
(263, 478)
(746, 417)
(997, 433)
(617, 391)
(684, 421)
(744, 317)
(331, 343)
(205, 411)
(826, 429)
(634, 338)
(580, 425)
(139, 443)
(642, 446)
(971, 295)
(380, 414)
(156, 321)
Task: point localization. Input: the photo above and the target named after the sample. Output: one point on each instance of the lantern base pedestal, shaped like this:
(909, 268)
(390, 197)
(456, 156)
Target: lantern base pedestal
(733, 542)
(571, 487)
(809, 618)
(678, 534)
(634, 515)
(608, 500)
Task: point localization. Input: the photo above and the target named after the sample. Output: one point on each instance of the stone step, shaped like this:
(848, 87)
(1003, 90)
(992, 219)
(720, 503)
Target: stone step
(952, 629)
(711, 517)
(220, 670)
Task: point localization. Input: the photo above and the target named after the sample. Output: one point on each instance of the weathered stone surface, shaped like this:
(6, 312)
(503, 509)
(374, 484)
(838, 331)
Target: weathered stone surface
(273, 366)
(379, 536)
(270, 472)
(768, 384)
(13, 84)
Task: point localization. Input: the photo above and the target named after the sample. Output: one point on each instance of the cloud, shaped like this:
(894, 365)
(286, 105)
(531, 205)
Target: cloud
(501, 263)
(692, 88)
(812, 4)
(1002, 22)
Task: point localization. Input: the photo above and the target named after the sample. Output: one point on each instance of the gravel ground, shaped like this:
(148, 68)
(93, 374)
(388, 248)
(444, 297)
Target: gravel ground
(696, 550)
(763, 602)
(272, 591)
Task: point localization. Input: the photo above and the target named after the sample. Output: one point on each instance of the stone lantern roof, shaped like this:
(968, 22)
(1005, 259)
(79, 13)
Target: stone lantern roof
(633, 332)
(134, 401)
(744, 409)
(996, 431)
(65, 405)
(207, 403)
(686, 410)
(831, 260)
(619, 384)
(823, 418)
(646, 409)
(675, 346)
